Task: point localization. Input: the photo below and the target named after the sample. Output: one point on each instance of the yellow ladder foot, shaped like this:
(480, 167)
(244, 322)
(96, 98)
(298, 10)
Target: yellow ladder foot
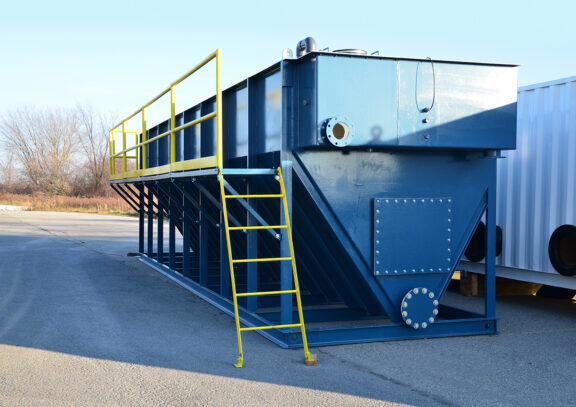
(311, 360)
(240, 362)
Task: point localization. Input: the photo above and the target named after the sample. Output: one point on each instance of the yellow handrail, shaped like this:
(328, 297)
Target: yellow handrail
(177, 129)
(203, 162)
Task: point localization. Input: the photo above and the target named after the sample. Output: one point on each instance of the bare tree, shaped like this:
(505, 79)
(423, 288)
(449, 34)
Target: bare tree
(93, 136)
(43, 141)
(7, 172)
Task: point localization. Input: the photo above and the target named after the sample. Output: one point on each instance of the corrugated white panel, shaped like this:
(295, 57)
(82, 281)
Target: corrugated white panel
(537, 181)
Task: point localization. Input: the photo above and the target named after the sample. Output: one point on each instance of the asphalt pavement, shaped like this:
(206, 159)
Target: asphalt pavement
(83, 324)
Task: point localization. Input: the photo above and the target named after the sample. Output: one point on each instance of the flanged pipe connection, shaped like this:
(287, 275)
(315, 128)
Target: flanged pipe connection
(419, 308)
(339, 131)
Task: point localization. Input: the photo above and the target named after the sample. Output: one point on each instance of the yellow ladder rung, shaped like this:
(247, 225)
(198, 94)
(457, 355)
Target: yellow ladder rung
(258, 328)
(254, 196)
(259, 260)
(257, 227)
(266, 293)
(310, 360)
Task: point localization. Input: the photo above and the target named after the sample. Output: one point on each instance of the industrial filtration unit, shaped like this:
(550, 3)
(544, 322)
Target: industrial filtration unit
(376, 168)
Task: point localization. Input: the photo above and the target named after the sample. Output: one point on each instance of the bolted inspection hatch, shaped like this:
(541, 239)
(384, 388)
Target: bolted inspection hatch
(412, 236)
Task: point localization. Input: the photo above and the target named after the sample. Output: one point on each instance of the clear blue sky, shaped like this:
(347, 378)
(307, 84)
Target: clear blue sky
(116, 55)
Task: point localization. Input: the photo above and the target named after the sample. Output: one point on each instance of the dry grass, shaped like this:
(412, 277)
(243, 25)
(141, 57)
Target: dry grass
(103, 205)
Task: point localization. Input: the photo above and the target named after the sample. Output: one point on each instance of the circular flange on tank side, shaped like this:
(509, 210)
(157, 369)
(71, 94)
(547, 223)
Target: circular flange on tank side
(419, 308)
(339, 131)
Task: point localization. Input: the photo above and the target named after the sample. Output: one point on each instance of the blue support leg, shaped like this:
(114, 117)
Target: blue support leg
(160, 235)
(141, 216)
(252, 253)
(225, 288)
(490, 264)
(172, 231)
(286, 274)
(150, 227)
(186, 226)
(203, 242)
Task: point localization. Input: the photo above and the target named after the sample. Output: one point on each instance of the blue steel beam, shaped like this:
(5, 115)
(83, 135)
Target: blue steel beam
(204, 244)
(134, 205)
(250, 209)
(286, 272)
(490, 258)
(160, 233)
(147, 194)
(252, 252)
(166, 192)
(172, 231)
(141, 221)
(130, 193)
(150, 224)
(215, 202)
(196, 205)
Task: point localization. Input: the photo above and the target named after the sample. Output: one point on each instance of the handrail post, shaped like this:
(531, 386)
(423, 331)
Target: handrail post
(219, 158)
(124, 146)
(172, 126)
(136, 151)
(144, 138)
(111, 168)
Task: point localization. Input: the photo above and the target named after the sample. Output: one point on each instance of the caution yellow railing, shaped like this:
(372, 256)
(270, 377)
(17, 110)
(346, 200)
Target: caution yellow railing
(142, 169)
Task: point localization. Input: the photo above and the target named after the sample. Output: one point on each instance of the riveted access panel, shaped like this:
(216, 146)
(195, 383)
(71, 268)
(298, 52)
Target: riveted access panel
(412, 235)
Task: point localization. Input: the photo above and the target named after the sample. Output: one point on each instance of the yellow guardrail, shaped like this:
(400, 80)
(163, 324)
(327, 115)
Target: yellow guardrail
(202, 162)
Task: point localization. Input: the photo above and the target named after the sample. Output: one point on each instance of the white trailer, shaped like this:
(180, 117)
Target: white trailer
(537, 191)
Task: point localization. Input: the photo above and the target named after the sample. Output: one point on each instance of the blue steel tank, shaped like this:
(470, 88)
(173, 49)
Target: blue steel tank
(391, 164)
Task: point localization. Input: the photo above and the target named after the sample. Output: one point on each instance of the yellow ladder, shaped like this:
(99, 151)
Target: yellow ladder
(309, 360)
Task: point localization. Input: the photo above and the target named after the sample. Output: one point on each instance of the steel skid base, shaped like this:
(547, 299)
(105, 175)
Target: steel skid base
(452, 322)
(181, 236)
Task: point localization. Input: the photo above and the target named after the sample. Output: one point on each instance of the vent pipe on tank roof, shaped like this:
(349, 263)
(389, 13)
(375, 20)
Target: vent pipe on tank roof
(305, 46)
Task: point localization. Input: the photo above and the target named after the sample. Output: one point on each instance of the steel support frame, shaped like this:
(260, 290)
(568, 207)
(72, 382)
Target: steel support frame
(462, 322)
(452, 321)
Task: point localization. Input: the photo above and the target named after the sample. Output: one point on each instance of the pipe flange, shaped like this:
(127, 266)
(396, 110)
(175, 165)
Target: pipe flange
(339, 131)
(419, 308)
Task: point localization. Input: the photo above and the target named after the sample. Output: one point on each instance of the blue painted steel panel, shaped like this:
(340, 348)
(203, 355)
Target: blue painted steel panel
(472, 106)
(163, 144)
(192, 136)
(272, 112)
(365, 92)
(208, 130)
(236, 130)
(419, 104)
